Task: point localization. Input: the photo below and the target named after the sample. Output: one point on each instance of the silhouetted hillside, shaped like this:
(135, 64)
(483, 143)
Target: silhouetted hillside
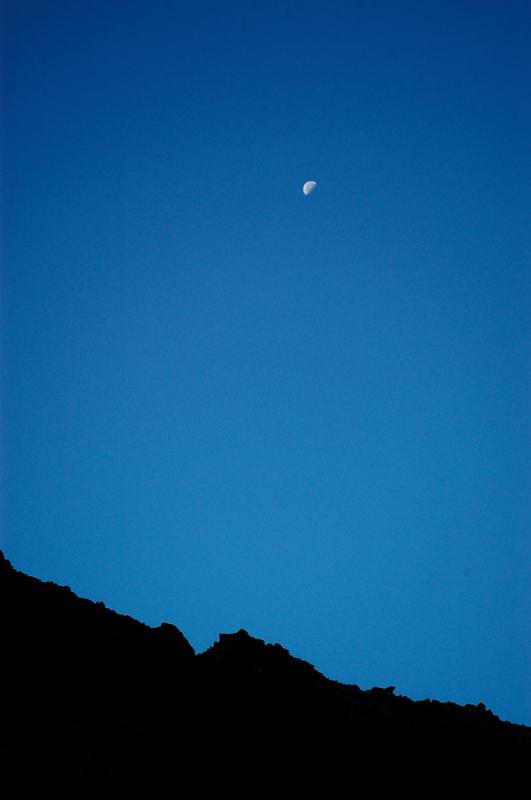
(96, 704)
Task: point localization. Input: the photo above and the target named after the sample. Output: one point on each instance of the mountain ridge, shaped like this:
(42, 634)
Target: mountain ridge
(100, 702)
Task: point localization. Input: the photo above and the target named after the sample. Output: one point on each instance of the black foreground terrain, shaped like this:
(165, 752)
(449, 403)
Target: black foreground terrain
(95, 704)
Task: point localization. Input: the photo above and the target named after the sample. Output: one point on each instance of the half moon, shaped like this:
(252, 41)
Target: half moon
(309, 186)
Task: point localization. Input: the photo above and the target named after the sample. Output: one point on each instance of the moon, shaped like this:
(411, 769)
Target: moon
(308, 187)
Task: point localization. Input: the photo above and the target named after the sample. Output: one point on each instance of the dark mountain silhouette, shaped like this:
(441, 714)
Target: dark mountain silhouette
(95, 704)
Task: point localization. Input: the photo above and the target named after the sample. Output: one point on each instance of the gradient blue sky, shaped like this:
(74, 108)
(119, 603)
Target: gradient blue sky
(231, 405)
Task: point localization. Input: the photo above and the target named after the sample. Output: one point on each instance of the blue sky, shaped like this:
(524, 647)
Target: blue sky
(229, 405)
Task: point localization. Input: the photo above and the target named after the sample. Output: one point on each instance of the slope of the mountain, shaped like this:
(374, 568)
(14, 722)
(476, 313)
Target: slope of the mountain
(96, 704)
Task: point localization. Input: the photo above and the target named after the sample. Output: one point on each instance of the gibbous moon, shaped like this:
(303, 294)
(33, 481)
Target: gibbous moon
(309, 186)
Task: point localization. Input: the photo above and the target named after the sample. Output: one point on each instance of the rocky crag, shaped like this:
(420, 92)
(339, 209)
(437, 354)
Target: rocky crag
(96, 704)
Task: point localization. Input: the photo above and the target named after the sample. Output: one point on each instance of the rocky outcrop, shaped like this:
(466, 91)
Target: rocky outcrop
(96, 704)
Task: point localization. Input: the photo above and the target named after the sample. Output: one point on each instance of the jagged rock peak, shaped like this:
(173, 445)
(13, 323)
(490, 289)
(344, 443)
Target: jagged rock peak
(5, 565)
(241, 649)
(239, 642)
(172, 636)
